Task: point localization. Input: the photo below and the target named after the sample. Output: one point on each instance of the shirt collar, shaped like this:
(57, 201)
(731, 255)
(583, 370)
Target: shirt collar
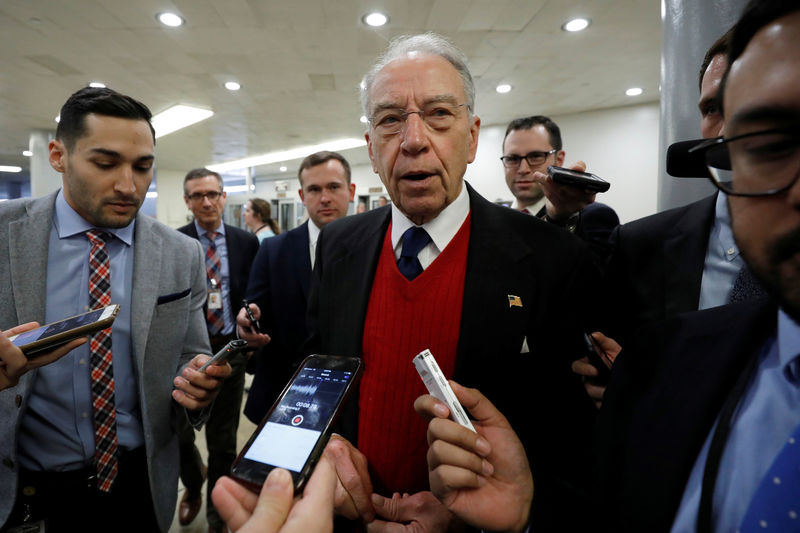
(789, 347)
(69, 223)
(201, 232)
(313, 232)
(442, 229)
(533, 209)
(723, 222)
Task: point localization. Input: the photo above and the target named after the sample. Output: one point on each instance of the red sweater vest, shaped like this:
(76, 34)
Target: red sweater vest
(403, 318)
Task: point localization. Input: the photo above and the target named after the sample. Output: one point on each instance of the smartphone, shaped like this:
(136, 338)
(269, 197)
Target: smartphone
(295, 431)
(595, 359)
(253, 322)
(50, 336)
(225, 354)
(575, 178)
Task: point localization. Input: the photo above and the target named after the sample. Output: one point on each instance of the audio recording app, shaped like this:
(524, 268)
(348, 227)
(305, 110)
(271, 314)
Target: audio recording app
(294, 427)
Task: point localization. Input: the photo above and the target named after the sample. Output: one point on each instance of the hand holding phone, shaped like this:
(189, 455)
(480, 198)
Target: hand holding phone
(45, 338)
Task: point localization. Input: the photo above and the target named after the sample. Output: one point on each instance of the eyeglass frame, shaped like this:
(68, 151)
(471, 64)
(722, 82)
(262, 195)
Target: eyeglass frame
(404, 114)
(200, 196)
(525, 157)
(707, 145)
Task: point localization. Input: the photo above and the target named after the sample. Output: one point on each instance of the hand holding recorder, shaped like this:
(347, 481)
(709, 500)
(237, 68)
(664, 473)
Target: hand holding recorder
(199, 381)
(565, 198)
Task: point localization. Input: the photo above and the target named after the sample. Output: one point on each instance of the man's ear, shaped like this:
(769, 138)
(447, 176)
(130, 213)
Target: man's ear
(57, 156)
(560, 158)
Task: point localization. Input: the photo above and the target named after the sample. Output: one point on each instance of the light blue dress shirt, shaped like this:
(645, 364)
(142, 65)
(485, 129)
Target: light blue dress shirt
(222, 252)
(57, 428)
(767, 414)
(723, 262)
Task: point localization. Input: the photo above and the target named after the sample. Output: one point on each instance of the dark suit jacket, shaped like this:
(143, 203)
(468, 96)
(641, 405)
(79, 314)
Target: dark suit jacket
(242, 247)
(656, 266)
(509, 254)
(279, 284)
(595, 225)
(665, 393)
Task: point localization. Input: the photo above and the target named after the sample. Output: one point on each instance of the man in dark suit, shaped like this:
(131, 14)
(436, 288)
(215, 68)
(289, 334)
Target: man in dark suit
(530, 145)
(701, 423)
(280, 278)
(444, 269)
(229, 253)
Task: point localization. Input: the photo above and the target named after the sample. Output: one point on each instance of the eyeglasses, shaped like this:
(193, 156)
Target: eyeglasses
(534, 159)
(765, 162)
(212, 196)
(438, 116)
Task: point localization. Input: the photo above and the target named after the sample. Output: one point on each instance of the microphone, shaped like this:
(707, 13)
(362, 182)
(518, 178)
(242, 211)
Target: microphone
(682, 164)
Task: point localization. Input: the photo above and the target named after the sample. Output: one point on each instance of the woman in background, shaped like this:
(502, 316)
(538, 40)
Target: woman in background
(258, 219)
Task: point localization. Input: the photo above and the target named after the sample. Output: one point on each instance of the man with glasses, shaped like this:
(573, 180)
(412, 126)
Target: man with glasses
(229, 253)
(530, 145)
(443, 269)
(700, 426)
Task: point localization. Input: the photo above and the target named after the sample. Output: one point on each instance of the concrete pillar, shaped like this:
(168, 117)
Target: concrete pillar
(44, 179)
(689, 29)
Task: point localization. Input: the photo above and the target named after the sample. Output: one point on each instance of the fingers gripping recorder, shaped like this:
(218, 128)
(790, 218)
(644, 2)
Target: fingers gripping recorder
(439, 388)
(225, 354)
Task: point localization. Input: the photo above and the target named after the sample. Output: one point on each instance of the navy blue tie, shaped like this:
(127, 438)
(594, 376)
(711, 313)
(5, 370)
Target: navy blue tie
(414, 240)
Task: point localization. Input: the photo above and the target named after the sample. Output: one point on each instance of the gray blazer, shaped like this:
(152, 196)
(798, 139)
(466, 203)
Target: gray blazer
(169, 289)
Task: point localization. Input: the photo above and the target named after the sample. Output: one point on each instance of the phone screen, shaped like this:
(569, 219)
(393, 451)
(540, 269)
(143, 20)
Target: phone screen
(296, 424)
(57, 327)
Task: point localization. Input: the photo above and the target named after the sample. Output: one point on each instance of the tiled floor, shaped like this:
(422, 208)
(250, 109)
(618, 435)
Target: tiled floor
(199, 525)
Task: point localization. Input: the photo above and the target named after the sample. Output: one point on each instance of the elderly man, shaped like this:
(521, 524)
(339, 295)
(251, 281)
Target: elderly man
(444, 269)
(701, 423)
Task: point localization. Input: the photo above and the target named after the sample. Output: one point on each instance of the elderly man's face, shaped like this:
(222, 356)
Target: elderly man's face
(422, 167)
(763, 92)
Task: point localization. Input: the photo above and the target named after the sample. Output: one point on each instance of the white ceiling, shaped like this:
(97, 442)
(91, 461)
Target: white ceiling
(300, 62)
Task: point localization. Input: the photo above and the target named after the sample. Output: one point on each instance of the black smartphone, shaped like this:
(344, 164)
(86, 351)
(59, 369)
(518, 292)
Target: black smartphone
(50, 336)
(225, 354)
(253, 322)
(295, 431)
(574, 178)
(595, 359)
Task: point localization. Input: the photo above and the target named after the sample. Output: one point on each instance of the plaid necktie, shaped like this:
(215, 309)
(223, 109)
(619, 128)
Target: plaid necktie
(105, 420)
(214, 317)
(414, 240)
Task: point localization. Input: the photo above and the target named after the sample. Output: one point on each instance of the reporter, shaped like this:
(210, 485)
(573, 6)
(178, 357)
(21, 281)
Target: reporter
(13, 363)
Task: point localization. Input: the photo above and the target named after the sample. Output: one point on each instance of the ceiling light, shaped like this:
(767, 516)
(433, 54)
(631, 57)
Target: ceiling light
(634, 91)
(178, 117)
(10, 169)
(363, 119)
(232, 86)
(283, 168)
(503, 88)
(375, 19)
(97, 85)
(288, 155)
(576, 25)
(252, 186)
(27, 153)
(170, 19)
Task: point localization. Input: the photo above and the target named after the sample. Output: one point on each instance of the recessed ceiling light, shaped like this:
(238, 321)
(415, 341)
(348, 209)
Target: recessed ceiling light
(97, 85)
(363, 119)
(283, 168)
(232, 86)
(10, 169)
(178, 117)
(288, 155)
(503, 88)
(170, 19)
(576, 25)
(27, 153)
(375, 19)
(634, 91)
(252, 186)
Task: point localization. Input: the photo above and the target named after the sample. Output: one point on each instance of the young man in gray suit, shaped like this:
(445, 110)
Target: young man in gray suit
(90, 438)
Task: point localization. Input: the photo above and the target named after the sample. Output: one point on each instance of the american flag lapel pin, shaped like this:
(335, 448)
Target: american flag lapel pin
(514, 301)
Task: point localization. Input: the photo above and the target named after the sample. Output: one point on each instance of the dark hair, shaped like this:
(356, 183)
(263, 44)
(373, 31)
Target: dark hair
(197, 173)
(319, 158)
(100, 101)
(261, 207)
(527, 123)
(719, 47)
(756, 15)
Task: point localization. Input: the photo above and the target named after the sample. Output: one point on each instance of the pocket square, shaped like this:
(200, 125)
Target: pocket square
(172, 297)
(525, 348)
